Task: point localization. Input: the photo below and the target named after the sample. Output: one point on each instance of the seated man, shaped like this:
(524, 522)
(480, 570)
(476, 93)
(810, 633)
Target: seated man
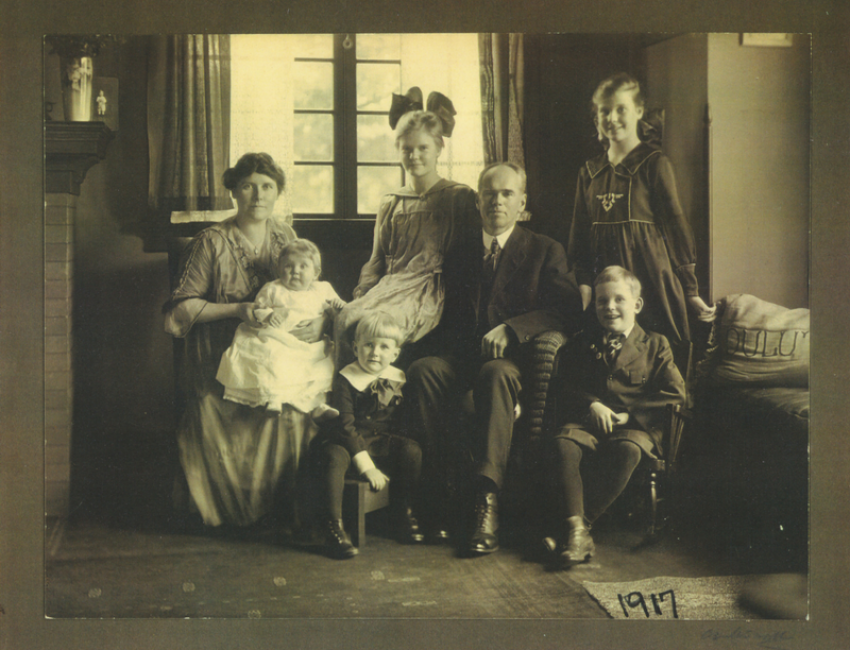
(503, 287)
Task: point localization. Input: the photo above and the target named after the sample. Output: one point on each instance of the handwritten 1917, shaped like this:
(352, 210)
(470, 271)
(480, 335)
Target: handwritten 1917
(636, 601)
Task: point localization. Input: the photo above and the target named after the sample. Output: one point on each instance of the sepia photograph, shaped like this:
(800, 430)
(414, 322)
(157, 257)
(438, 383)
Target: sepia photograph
(223, 401)
(433, 337)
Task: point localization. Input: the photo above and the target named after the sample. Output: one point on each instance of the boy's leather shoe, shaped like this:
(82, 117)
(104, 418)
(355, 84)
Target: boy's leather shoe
(485, 538)
(337, 542)
(578, 546)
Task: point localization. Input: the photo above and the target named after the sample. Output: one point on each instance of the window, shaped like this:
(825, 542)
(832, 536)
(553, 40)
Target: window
(318, 104)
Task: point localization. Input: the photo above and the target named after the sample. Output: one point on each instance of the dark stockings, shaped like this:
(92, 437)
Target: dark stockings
(403, 464)
(613, 467)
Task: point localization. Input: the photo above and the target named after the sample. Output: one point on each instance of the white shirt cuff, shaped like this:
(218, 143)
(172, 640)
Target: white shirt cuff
(363, 461)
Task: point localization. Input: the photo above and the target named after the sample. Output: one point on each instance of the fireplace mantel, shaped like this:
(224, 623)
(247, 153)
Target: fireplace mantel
(71, 149)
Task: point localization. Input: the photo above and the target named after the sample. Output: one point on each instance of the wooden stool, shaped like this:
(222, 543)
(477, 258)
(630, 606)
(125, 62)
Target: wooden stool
(357, 501)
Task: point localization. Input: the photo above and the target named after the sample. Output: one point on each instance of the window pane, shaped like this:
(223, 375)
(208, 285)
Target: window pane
(312, 189)
(379, 46)
(375, 139)
(375, 84)
(314, 137)
(372, 184)
(312, 85)
(313, 46)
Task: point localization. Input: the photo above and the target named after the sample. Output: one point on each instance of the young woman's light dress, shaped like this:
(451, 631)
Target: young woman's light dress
(413, 233)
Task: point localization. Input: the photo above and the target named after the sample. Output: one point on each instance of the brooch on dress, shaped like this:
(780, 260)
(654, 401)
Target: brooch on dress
(608, 200)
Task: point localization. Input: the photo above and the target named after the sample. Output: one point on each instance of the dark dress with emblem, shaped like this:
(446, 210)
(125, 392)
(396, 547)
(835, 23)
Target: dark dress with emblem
(629, 215)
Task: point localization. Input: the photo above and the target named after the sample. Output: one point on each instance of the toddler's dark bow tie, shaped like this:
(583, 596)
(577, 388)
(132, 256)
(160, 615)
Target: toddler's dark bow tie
(385, 390)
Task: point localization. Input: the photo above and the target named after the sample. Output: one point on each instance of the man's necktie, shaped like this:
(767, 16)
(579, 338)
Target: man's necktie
(488, 274)
(491, 258)
(612, 347)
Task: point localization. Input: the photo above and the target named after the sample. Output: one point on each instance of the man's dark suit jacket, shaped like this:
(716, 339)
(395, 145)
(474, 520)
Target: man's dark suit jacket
(531, 292)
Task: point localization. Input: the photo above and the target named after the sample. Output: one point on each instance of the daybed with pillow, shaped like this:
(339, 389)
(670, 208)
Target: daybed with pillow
(749, 458)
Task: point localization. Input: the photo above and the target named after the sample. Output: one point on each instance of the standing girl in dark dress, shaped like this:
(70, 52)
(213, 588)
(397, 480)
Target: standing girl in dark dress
(627, 213)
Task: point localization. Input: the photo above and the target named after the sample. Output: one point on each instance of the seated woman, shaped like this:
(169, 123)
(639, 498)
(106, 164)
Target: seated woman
(416, 226)
(235, 458)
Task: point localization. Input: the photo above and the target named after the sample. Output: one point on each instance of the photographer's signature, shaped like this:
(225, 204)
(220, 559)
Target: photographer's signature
(767, 640)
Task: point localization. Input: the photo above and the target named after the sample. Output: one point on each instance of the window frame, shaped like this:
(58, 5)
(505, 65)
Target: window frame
(345, 113)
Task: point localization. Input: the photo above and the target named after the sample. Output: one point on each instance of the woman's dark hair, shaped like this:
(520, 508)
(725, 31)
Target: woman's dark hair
(250, 163)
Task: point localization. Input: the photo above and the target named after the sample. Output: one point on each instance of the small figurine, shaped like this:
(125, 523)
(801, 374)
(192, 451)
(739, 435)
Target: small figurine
(101, 104)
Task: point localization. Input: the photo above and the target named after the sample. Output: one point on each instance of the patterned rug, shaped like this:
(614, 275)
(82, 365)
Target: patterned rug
(696, 599)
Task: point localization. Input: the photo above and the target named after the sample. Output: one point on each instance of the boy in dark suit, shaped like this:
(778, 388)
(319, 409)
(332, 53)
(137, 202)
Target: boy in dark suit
(366, 435)
(618, 379)
(504, 286)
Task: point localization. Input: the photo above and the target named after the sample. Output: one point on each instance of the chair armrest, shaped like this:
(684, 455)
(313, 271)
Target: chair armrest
(544, 351)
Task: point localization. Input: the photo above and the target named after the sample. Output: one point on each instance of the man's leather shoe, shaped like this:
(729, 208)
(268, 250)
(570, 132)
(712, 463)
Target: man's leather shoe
(407, 527)
(484, 536)
(578, 546)
(437, 535)
(337, 542)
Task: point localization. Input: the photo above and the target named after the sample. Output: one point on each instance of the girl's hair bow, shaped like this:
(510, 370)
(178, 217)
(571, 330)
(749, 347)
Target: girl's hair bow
(437, 103)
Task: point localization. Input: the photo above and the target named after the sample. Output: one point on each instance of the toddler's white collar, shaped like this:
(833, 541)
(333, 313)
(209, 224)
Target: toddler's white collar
(361, 379)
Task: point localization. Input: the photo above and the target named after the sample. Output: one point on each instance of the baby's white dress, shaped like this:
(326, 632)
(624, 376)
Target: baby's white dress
(268, 365)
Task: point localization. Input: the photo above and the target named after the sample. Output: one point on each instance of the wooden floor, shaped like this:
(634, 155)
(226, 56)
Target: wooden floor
(100, 570)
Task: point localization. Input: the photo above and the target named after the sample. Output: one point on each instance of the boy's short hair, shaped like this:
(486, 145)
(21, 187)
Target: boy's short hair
(304, 248)
(379, 324)
(617, 273)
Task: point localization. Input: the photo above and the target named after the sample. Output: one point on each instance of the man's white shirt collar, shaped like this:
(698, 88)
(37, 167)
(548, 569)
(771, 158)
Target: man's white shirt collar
(502, 239)
(361, 379)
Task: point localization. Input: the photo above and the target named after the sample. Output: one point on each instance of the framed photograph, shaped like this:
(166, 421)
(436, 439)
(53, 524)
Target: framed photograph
(105, 541)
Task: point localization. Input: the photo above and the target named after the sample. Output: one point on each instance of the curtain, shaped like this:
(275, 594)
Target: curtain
(263, 87)
(449, 63)
(502, 95)
(189, 122)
